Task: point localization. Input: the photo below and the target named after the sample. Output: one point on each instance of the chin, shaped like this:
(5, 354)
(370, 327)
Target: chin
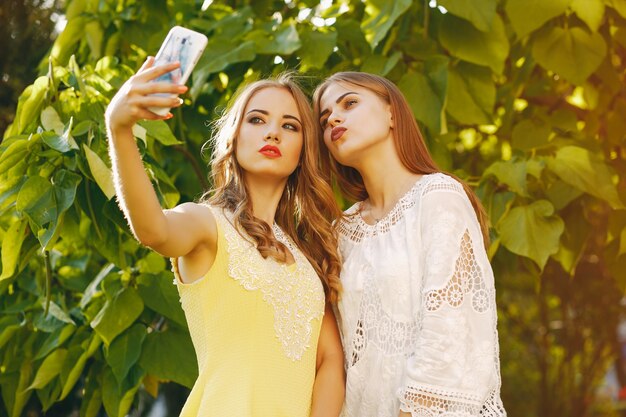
(345, 155)
(271, 175)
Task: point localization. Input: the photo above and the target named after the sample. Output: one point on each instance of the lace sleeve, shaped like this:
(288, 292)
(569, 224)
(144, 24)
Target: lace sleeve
(454, 371)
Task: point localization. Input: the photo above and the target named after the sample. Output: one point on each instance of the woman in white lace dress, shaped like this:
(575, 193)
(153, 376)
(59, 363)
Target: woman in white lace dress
(418, 314)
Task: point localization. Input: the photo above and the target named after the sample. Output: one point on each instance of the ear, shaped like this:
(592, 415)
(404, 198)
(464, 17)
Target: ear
(391, 121)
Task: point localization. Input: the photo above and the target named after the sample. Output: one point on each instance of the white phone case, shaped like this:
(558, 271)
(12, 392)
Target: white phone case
(183, 45)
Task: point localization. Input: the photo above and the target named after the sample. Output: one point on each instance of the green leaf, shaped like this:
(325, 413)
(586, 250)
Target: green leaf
(30, 103)
(480, 12)
(117, 315)
(54, 340)
(118, 398)
(574, 239)
(381, 15)
(36, 200)
(94, 285)
(50, 120)
(8, 326)
(283, 41)
(561, 194)
(22, 394)
(532, 231)
(140, 133)
(73, 366)
(426, 92)
(499, 205)
(177, 344)
(12, 155)
(65, 184)
(466, 42)
(10, 188)
(92, 394)
(62, 140)
(380, 64)
(44, 202)
(9, 383)
(535, 167)
(160, 295)
(219, 54)
(471, 94)
(49, 394)
(530, 134)
(586, 171)
(95, 35)
(49, 368)
(11, 247)
(572, 53)
(160, 131)
(529, 15)
(316, 47)
(590, 11)
(101, 172)
(56, 142)
(125, 351)
(67, 41)
(57, 312)
(510, 173)
(153, 263)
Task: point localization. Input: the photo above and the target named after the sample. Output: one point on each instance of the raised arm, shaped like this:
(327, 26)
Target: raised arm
(330, 379)
(172, 233)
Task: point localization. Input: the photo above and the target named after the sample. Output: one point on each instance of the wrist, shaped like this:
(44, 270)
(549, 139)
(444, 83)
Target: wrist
(119, 132)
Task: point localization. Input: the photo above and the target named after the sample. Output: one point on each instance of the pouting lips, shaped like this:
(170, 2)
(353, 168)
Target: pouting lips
(269, 150)
(337, 133)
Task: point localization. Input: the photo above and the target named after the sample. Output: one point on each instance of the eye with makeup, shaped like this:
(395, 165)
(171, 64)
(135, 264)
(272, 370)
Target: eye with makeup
(349, 102)
(255, 120)
(291, 126)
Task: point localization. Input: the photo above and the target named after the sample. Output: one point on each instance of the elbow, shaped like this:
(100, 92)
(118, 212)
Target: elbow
(152, 238)
(150, 231)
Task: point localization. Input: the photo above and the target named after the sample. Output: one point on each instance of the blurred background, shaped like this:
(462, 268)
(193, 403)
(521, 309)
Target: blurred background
(524, 99)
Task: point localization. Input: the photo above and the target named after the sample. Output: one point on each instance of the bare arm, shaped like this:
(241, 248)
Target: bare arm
(171, 233)
(330, 379)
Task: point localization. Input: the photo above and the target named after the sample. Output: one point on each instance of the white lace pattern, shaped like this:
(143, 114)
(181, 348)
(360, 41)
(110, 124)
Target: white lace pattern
(296, 295)
(418, 314)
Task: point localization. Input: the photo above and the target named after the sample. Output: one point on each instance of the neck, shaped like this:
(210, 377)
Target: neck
(265, 194)
(384, 189)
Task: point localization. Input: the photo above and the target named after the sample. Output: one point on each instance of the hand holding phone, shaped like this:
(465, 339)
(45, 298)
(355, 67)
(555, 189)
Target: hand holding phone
(182, 45)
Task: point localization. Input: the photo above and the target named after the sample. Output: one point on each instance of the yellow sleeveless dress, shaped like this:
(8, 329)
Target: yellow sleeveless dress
(254, 324)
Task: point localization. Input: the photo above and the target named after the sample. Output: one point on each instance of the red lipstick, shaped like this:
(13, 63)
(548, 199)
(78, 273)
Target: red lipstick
(271, 151)
(337, 133)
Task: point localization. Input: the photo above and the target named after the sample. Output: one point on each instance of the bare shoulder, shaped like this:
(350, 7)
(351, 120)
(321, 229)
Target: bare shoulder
(191, 225)
(194, 209)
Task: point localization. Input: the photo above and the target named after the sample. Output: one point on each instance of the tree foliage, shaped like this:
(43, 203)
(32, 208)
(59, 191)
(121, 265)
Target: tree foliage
(524, 99)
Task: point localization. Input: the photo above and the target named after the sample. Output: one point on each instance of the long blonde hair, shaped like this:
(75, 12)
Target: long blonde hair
(408, 139)
(307, 206)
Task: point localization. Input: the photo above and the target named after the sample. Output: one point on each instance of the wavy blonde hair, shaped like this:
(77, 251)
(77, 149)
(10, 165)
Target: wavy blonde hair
(307, 206)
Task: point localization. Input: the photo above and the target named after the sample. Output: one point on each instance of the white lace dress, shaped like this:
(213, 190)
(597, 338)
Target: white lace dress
(418, 315)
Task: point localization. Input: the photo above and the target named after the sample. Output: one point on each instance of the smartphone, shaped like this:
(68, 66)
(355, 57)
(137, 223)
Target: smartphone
(183, 45)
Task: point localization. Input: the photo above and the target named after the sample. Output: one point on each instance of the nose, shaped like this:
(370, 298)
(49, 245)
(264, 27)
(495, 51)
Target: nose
(272, 135)
(335, 119)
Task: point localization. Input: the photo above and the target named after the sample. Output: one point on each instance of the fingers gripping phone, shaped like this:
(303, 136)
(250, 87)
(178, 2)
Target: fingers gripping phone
(183, 45)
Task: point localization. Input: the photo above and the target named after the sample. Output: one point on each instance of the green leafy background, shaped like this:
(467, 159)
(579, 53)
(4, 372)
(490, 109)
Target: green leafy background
(524, 99)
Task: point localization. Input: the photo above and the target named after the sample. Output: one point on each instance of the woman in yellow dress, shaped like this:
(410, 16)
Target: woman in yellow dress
(255, 260)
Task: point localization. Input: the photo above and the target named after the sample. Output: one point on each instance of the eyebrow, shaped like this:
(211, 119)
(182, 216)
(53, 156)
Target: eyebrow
(265, 112)
(322, 114)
